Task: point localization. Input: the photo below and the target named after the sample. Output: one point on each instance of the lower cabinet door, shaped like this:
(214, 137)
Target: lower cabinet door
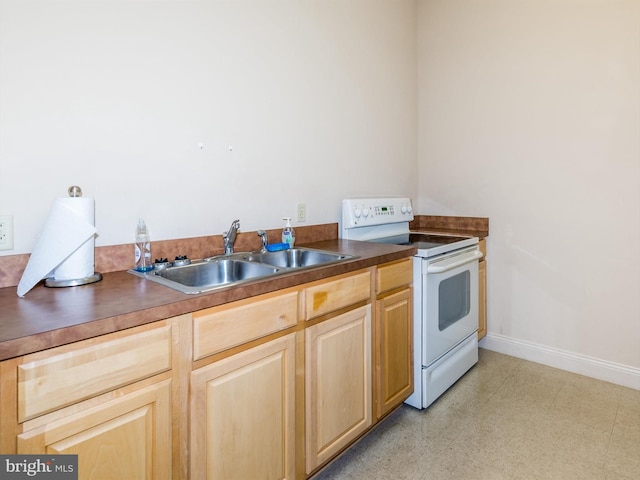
(243, 414)
(128, 437)
(337, 384)
(394, 351)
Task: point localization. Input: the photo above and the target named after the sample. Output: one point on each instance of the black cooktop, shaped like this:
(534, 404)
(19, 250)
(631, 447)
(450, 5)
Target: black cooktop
(423, 241)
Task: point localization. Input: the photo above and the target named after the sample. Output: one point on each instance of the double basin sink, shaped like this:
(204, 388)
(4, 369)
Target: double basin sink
(237, 268)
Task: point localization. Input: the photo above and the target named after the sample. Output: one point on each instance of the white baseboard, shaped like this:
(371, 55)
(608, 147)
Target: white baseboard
(571, 362)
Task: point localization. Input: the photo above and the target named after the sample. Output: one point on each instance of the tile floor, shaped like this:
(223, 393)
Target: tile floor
(505, 419)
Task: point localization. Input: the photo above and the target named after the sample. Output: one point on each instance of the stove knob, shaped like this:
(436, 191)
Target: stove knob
(409, 209)
(365, 212)
(357, 212)
(403, 209)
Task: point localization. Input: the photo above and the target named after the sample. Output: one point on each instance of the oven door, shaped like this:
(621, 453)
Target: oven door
(450, 296)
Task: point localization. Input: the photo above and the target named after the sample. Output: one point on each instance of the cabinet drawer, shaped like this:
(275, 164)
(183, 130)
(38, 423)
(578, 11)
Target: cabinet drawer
(219, 328)
(333, 295)
(394, 275)
(64, 375)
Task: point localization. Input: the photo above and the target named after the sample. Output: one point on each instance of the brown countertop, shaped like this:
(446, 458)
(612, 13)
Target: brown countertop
(49, 317)
(465, 226)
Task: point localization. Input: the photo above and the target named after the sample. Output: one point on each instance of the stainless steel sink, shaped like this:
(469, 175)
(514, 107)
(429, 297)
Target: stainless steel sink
(238, 268)
(296, 258)
(208, 275)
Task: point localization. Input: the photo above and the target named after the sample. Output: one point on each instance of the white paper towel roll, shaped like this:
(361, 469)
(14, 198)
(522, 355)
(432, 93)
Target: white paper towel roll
(80, 264)
(65, 246)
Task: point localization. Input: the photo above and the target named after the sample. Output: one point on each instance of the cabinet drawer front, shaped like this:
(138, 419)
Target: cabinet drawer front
(219, 328)
(336, 294)
(65, 375)
(394, 275)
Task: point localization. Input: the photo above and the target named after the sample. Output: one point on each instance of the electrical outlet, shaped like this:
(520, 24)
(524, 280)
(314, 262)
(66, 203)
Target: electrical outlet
(302, 212)
(6, 232)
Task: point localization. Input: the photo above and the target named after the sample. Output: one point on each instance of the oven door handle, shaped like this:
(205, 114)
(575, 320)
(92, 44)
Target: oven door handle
(453, 262)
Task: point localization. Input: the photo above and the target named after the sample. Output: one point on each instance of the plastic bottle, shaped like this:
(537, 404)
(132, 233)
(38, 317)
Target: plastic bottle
(143, 248)
(288, 235)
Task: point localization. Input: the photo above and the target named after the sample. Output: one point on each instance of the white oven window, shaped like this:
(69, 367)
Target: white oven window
(454, 299)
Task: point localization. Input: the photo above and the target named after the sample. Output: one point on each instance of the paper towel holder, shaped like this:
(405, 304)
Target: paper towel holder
(74, 191)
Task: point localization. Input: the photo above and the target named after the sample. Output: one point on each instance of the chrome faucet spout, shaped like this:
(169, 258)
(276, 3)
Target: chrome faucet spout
(229, 238)
(263, 235)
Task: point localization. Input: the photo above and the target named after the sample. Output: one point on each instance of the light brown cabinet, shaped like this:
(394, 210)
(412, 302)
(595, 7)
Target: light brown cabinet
(243, 414)
(63, 376)
(243, 389)
(394, 360)
(220, 328)
(272, 386)
(337, 384)
(482, 291)
(328, 296)
(108, 399)
(127, 437)
(393, 336)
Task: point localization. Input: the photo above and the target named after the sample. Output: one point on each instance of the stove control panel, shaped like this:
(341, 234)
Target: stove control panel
(364, 212)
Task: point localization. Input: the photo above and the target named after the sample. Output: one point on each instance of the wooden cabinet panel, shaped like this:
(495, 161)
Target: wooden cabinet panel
(326, 297)
(394, 351)
(482, 290)
(394, 275)
(129, 437)
(337, 384)
(482, 245)
(243, 414)
(64, 375)
(219, 328)
(482, 299)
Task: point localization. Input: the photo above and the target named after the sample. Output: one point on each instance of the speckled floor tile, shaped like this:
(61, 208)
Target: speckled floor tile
(505, 419)
(561, 441)
(588, 401)
(629, 407)
(532, 384)
(623, 454)
(556, 469)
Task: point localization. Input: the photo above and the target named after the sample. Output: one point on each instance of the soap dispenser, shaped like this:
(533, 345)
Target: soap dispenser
(288, 235)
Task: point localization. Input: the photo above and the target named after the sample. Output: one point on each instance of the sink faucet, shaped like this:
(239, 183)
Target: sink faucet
(229, 237)
(263, 235)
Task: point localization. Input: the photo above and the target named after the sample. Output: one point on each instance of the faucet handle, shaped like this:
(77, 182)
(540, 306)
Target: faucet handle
(235, 225)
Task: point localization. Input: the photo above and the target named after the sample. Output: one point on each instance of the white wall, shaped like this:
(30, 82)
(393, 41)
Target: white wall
(530, 115)
(316, 99)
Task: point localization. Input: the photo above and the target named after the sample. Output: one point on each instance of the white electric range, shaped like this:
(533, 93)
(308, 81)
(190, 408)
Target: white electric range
(445, 286)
